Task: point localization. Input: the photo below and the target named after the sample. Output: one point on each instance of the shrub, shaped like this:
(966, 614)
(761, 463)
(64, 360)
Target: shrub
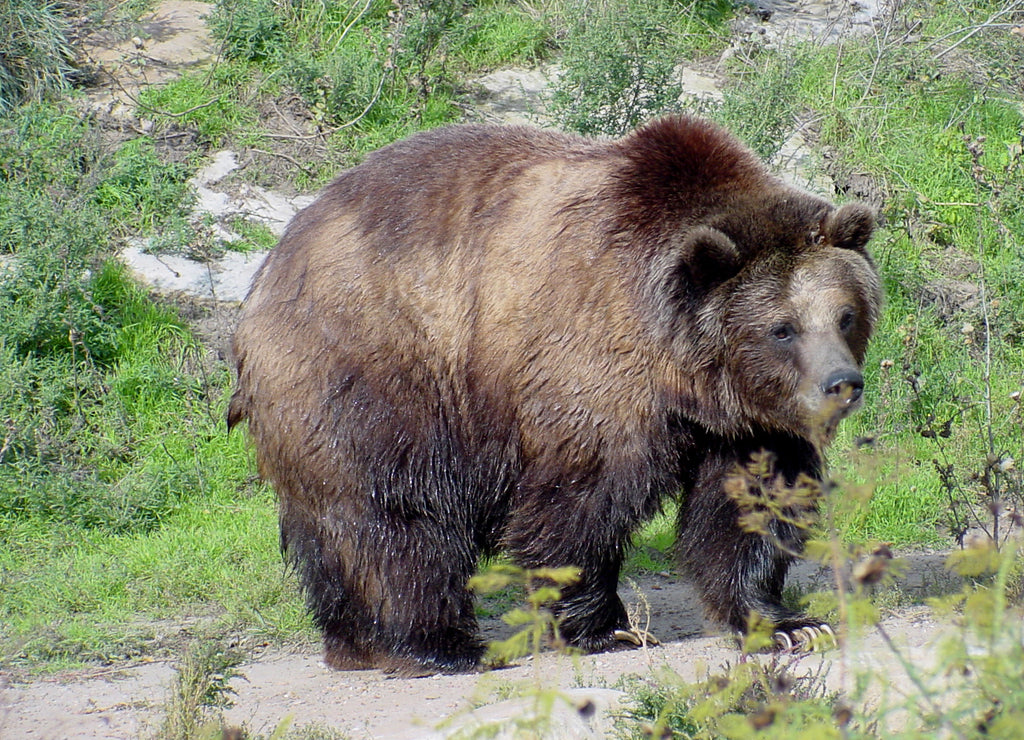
(619, 57)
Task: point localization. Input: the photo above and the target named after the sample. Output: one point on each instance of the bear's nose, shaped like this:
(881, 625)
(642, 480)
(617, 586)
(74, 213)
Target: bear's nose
(845, 386)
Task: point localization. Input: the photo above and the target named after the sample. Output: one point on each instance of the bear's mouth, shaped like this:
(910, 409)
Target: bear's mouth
(837, 408)
(825, 415)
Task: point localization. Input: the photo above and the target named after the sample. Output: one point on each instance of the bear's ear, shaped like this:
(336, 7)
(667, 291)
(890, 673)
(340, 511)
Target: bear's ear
(849, 227)
(707, 257)
(684, 274)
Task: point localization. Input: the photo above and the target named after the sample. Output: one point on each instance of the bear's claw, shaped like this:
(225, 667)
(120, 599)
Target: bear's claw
(807, 639)
(638, 637)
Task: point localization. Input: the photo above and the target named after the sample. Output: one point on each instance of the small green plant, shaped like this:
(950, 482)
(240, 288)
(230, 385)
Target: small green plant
(775, 698)
(619, 56)
(216, 103)
(501, 35)
(538, 624)
(251, 30)
(201, 687)
(140, 192)
(760, 105)
(254, 235)
(762, 496)
(972, 688)
(984, 695)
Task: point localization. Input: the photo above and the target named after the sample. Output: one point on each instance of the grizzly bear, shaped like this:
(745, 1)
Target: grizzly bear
(503, 339)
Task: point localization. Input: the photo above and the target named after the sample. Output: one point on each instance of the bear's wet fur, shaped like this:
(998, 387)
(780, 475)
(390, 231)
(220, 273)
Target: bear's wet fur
(492, 339)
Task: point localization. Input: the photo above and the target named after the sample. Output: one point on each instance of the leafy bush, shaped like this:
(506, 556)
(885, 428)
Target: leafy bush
(619, 57)
(47, 151)
(46, 296)
(67, 457)
(373, 71)
(252, 30)
(760, 105)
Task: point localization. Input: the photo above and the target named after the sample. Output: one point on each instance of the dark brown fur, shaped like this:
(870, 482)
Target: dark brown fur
(508, 339)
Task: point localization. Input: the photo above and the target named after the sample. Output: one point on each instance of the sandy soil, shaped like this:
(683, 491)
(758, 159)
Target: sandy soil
(279, 686)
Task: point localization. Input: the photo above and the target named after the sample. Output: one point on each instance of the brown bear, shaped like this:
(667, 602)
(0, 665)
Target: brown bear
(504, 339)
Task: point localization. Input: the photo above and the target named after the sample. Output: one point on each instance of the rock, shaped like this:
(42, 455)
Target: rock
(795, 162)
(224, 279)
(697, 84)
(514, 96)
(777, 21)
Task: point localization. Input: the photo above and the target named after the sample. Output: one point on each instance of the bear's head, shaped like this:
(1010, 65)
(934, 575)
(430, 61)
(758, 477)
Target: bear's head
(777, 306)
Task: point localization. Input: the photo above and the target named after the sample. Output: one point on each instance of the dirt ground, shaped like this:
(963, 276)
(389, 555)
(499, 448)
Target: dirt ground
(293, 687)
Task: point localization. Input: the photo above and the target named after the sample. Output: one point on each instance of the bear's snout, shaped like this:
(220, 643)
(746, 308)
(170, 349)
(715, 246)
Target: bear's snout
(844, 388)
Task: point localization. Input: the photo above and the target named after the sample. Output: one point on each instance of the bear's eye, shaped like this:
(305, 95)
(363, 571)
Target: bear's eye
(846, 321)
(783, 332)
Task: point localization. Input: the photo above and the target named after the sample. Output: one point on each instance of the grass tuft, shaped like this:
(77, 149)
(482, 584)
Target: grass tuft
(36, 55)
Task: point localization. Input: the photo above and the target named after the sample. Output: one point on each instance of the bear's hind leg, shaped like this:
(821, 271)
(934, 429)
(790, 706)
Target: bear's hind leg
(388, 593)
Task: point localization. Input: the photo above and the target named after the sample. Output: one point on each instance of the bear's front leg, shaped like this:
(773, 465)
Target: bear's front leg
(741, 573)
(557, 525)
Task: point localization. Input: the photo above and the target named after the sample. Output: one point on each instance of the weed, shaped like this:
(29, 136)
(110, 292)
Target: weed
(538, 624)
(251, 30)
(764, 496)
(200, 688)
(760, 104)
(372, 72)
(141, 193)
(496, 36)
(254, 235)
(972, 688)
(216, 103)
(619, 56)
(773, 698)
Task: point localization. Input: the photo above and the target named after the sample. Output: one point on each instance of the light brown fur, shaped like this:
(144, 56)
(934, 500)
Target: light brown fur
(488, 338)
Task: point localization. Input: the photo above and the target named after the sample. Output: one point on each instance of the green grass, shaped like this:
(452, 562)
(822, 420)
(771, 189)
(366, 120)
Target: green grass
(124, 504)
(254, 235)
(216, 103)
(370, 73)
(142, 193)
(501, 35)
(130, 504)
(210, 567)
